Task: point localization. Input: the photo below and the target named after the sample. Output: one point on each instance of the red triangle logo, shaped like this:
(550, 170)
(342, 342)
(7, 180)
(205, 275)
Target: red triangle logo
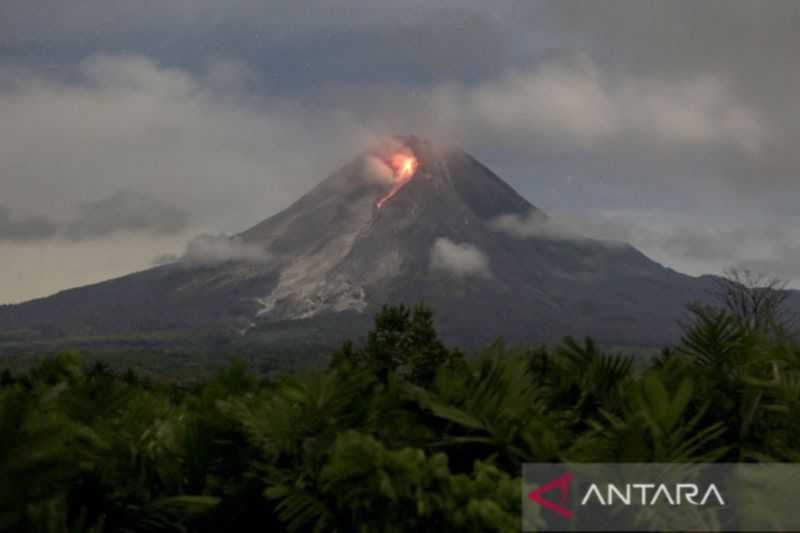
(562, 484)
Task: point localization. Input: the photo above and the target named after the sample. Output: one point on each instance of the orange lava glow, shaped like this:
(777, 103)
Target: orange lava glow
(404, 167)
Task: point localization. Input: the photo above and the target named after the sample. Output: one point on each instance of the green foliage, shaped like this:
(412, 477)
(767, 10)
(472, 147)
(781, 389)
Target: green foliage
(400, 434)
(715, 339)
(655, 425)
(401, 342)
(587, 377)
(382, 489)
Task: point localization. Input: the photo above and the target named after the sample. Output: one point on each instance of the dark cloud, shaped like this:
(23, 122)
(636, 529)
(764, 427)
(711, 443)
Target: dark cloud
(123, 211)
(20, 228)
(294, 45)
(449, 45)
(108, 20)
(126, 211)
(232, 110)
(653, 95)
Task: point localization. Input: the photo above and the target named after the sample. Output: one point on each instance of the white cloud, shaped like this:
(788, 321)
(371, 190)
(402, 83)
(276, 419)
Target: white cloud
(574, 227)
(203, 144)
(461, 259)
(214, 249)
(692, 243)
(578, 102)
(199, 141)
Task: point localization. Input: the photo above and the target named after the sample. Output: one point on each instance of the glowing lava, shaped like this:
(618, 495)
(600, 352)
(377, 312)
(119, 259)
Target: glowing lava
(404, 167)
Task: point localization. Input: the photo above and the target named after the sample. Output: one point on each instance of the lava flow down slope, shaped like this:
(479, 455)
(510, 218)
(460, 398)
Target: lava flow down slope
(404, 222)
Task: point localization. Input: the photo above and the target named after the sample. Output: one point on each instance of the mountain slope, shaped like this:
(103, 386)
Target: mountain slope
(333, 257)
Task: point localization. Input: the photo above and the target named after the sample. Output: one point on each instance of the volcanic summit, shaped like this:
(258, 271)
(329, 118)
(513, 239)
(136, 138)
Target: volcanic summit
(404, 222)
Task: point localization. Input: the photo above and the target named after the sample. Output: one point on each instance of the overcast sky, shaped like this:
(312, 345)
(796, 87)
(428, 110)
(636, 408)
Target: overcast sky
(127, 128)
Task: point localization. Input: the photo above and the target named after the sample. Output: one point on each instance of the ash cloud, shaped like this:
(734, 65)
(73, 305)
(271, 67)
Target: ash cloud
(461, 259)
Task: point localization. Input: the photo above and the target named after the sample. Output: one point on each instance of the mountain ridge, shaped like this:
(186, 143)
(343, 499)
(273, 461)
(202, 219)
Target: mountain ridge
(334, 256)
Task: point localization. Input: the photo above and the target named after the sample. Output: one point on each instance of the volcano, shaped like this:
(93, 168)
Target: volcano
(421, 228)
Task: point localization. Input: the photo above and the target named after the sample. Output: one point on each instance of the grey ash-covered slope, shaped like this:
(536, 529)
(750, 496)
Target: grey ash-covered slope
(333, 257)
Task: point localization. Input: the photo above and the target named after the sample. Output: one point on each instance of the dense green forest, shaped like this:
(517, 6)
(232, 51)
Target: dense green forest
(401, 433)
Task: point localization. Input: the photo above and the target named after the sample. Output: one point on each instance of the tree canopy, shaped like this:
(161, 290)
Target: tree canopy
(400, 433)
